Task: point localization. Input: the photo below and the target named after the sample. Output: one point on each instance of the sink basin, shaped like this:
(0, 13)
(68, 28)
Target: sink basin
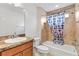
(15, 40)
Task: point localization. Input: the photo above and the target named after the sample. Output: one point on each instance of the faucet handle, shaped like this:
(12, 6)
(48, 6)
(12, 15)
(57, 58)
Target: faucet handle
(10, 36)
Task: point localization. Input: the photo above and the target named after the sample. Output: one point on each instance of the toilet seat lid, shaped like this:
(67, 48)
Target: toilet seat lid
(42, 47)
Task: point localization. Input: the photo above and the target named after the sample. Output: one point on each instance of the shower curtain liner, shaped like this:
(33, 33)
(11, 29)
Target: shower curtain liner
(56, 22)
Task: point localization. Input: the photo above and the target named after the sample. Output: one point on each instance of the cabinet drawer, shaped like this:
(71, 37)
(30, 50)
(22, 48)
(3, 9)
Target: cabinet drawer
(17, 49)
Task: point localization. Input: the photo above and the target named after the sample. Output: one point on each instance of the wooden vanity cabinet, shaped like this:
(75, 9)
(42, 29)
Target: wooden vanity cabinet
(25, 49)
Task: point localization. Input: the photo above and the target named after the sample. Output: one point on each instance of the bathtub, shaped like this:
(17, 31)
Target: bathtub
(60, 50)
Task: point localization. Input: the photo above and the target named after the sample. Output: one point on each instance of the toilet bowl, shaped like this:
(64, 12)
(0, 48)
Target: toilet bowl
(43, 50)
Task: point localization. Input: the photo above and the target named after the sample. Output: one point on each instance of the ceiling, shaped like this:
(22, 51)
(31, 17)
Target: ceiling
(52, 6)
(46, 6)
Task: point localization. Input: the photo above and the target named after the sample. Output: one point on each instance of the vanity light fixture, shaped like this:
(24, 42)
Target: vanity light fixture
(66, 15)
(77, 15)
(43, 20)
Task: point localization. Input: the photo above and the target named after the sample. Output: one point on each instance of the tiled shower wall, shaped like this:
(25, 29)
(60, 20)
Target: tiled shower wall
(70, 27)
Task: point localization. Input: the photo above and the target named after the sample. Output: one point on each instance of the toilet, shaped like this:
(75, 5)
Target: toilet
(42, 50)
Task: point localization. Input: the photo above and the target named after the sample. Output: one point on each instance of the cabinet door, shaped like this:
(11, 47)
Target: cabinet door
(19, 54)
(28, 52)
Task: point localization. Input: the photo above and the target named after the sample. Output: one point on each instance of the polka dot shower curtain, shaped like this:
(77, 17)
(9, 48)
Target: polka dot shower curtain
(56, 22)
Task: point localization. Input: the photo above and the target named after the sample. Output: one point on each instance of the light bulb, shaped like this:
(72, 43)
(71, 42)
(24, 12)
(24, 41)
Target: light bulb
(66, 15)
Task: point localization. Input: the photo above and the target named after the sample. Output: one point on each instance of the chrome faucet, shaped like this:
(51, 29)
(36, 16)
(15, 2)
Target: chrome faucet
(14, 35)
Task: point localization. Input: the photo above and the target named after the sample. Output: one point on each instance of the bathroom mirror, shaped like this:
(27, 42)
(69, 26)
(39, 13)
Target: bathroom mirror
(11, 19)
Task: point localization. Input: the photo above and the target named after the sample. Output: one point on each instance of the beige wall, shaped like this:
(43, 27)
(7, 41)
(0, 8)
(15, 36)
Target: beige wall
(50, 36)
(46, 34)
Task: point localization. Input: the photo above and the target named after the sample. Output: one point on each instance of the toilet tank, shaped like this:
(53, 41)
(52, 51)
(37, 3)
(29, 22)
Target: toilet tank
(36, 41)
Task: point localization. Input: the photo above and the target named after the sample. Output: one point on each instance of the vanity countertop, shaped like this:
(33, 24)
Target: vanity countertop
(4, 46)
